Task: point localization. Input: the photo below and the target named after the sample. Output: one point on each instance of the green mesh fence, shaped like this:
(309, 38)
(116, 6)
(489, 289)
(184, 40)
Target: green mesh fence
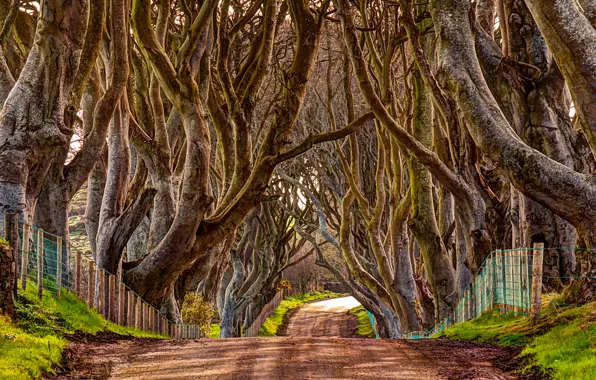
(504, 282)
(49, 255)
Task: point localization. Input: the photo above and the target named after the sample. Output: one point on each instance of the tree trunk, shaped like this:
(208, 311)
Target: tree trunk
(423, 223)
(35, 117)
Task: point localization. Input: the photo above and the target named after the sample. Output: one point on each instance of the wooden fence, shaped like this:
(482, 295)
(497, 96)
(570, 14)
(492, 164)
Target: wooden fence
(267, 310)
(48, 262)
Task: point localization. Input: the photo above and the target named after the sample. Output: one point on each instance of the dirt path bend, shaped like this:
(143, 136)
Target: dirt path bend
(324, 318)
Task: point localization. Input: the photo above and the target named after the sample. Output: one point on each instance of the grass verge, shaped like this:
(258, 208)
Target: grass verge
(562, 345)
(274, 322)
(214, 332)
(33, 343)
(364, 327)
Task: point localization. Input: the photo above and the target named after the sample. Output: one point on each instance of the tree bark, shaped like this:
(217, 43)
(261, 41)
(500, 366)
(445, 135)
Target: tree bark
(35, 117)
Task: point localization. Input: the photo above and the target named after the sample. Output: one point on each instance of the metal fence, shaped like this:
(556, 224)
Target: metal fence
(508, 280)
(47, 262)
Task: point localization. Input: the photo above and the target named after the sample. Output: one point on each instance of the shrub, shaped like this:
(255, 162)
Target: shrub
(197, 311)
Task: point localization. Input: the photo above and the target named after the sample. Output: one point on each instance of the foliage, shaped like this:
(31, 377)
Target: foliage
(284, 284)
(33, 342)
(364, 327)
(273, 323)
(197, 311)
(562, 343)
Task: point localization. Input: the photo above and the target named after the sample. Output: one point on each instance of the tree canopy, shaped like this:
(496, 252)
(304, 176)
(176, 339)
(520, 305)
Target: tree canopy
(223, 142)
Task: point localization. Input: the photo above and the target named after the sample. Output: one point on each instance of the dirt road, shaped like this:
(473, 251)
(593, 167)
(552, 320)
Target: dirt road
(324, 318)
(292, 357)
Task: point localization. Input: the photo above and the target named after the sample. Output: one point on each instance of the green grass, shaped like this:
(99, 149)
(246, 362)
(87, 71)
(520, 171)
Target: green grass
(273, 323)
(214, 333)
(562, 344)
(26, 355)
(34, 341)
(364, 327)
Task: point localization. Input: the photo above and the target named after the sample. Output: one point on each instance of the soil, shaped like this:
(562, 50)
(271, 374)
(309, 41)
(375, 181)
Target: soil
(328, 355)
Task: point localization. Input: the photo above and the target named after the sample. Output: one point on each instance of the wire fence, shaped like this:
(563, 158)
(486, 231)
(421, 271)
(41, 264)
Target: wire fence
(47, 261)
(373, 324)
(508, 281)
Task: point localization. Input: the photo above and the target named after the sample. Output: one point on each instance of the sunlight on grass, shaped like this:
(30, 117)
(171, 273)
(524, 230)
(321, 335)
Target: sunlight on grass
(563, 343)
(24, 355)
(364, 327)
(33, 343)
(214, 333)
(274, 322)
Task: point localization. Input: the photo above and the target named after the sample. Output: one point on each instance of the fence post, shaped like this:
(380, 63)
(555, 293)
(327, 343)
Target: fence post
(144, 311)
(523, 259)
(130, 308)
(91, 284)
(40, 254)
(483, 289)
(528, 275)
(495, 281)
(138, 315)
(25, 255)
(77, 284)
(121, 299)
(58, 266)
(503, 281)
(514, 280)
(102, 292)
(151, 316)
(537, 261)
(112, 298)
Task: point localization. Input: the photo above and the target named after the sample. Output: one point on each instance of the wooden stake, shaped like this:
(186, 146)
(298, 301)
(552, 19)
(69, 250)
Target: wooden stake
(495, 281)
(40, 254)
(130, 308)
(138, 315)
(150, 313)
(77, 283)
(528, 274)
(112, 298)
(504, 279)
(59, 266)
(121, 299)
(101, 305)
(91, 285)
(537, 262)
(25, 255)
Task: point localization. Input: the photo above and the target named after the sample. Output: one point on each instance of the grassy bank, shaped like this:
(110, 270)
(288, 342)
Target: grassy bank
(214, 331)
(34, 341)
(273, 323)
(562, 344)
(364, 327)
